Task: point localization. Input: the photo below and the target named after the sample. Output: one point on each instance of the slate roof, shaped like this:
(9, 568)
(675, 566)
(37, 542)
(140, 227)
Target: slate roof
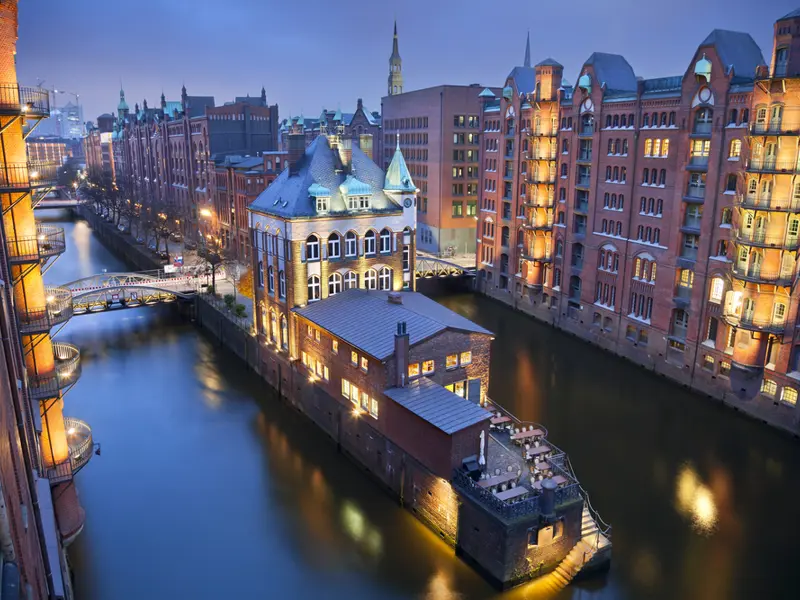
(736, 49)
(614, 71)
(366, 319)
(197, 105)
(398, 177)
(661, 87)
(288, 197)
(549, 62)
(524, 78)
(438, 406)
(795, 13)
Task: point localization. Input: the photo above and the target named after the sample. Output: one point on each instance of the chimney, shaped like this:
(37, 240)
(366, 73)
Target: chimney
(360, 105)
(346, 152)
(401, 348)
(296, 148)
(365, 143)
(395, 298)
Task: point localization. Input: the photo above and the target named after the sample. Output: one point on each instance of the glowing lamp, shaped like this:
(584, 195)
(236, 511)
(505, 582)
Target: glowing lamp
(71, 431)
(34, 174)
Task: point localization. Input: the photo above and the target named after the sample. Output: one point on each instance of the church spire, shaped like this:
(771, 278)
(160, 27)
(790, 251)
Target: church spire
(527, 62)
(395, 67)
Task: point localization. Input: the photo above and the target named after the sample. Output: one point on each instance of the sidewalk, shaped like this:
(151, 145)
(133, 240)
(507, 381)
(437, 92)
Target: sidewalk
(224, 285)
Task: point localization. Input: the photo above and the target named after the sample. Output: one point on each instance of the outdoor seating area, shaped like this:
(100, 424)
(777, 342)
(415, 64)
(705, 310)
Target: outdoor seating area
(519, 459)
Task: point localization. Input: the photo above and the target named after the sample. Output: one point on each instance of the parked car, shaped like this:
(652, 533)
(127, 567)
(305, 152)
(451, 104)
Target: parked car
(190, 245)
(175, 237)
(140, 240)
(124, 228)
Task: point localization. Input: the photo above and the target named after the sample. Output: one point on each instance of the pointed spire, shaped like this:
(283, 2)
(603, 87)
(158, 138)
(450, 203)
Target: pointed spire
(398, 141)
(527, 62)
(395, 47)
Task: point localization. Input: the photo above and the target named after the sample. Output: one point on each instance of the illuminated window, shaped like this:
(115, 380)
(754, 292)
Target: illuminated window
(736, 150)
(427, 367)
(717, 289)
(345, 388)
(326, 374)
(365, 400)
(313, 288)
(354, 395)
(451, 362)
(310, 331)
(373, 409)
(466, 358)
(317, 334)
(319, 369)
(354, 358)
(335, 346)
(371, 279)
(304, 357)
(413, 370)
(708, 362)
(789, 395)
(769, 387)
(364, 363)
(724, 368)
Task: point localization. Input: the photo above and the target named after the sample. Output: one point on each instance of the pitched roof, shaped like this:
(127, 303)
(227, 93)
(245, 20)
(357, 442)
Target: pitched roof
(549, 62)
(795, 13)
(736, 49)
(367, 320)
(438, 406)
(398, 177)
(196, 105)
(524, 78)
(288, 196)
(614, 71)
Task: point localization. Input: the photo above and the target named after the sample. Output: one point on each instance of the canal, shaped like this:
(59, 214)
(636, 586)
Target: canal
(207, 487)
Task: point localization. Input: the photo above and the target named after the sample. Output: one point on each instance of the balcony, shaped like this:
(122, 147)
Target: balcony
(585, 157)
(49, 241)
(702, 129)
(768, 203)
(756, 275)
(697, 163)
(749, 322)
(688, 253)
(678, 332)
(761, 239)
(540, 201)
(548, 178)
(81, 448)
(586, 131)
(543, 156)
(43, 173)
(583, 182)
(57, 310)
(695, 194)
(582, 206)
(22, 177)
(542, 225)
(26, 101)
(682, 296)
(66, 373)
(772, 165)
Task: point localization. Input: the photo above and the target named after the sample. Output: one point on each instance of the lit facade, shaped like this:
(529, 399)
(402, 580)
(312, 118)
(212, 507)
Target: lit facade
(666, 233)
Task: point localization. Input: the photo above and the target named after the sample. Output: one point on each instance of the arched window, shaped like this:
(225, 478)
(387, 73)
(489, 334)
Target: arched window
(313, 288)
(662, 179)
(350, 244)
(334, 284)
(732, 117)
(385, 279)
(369, 243)
(623, 121)
(284, 331)
(564, 146)
(640, 232)
(312, 248)
(616, 120)
(273, 321)
(371, 279)
(608, 120)
(625, 147)
(261, 273)
(745, 116)
(610, 147)
(504, 236)
(621, 198)
(606, 200)
(616, 173)
(334, 246)
(386, 241)
(350, 280)
(643, 205)
(604, 227)
(736, 149)
(672, 119)
(559, 248)
(656, 237)
(663, 121)
(619, 228)
(564, 169)
(659, 206)
(646, 176)
(281, 284)
(613, 201)
(645, 120)
(271, 279)
(608, 173)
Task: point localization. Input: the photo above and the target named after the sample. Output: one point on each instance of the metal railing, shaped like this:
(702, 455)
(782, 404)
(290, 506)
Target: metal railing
(603, 527)
(29, 101)
(57, 310)
(48, 241)
(772, 165)
(79, 438)
(759, 276)
(758, 237)
(66, 372)
(43, 173)
(748, 321)
(702, 127)
(696, 191)
(768, 203)
(698, 161)
(583, 181)
(32, 174)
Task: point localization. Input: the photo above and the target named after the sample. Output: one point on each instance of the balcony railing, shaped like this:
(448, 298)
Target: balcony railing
(683, 294)
(772, 165)
(755, 237)
(756, 275)
(57, 310)
(692, 222)
(679, 331)
(49, 241)
(543, 156)
(695, 193)
(28, 101)
(66, 372)
(583, 181)
(582, 206)
(586, 130)
(24, 176)
(689, 253)
(542, 178)
(768, 203)
(43, 173)
(585, 157)
(698, 162)
(702, 127)
(81, 447)
(749, 322)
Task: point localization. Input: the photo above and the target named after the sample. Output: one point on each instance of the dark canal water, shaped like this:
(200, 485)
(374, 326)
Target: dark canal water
(207, 488)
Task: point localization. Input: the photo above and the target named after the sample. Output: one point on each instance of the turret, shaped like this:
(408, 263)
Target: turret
(786, 46)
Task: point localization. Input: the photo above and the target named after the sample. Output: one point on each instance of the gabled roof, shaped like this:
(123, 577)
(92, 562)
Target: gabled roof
(736, 49)
(486, 93)
(524, 79)
(398, 177)
(368, 321)
(196, 105)
(438, 406)
(353, 187)
(549, 62)
(288, 195)
(792, 15)
(613, 71)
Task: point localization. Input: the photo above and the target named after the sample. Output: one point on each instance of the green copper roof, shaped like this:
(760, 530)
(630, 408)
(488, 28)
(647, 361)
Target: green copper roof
(353, 187)
(398, 177)
(318, 190)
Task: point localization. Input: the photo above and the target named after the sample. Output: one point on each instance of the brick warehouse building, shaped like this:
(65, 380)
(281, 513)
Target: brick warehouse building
(671, 235)
(165, 156)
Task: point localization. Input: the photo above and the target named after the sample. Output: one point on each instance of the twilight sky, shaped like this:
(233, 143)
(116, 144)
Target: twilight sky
(317, 53)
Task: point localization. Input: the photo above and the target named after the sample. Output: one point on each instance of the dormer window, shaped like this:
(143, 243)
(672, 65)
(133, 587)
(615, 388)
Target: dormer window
(323, 204)
(363, 202)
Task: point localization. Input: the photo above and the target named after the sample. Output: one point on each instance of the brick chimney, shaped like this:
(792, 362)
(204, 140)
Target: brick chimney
(346, 152)
(296, 148)
(365, 143)
(401, 349)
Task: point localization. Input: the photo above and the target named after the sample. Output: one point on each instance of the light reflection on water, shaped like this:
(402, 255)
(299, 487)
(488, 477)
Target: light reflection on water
(695, 500)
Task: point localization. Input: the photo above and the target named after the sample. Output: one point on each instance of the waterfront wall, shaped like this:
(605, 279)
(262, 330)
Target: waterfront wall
(692, 375)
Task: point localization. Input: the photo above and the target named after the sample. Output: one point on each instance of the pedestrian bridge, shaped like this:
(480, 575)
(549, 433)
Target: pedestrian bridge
(429, 267)
(128, 290)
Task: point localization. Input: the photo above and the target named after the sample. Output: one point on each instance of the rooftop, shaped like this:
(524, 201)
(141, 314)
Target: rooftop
(438, 406)
(368, 321)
